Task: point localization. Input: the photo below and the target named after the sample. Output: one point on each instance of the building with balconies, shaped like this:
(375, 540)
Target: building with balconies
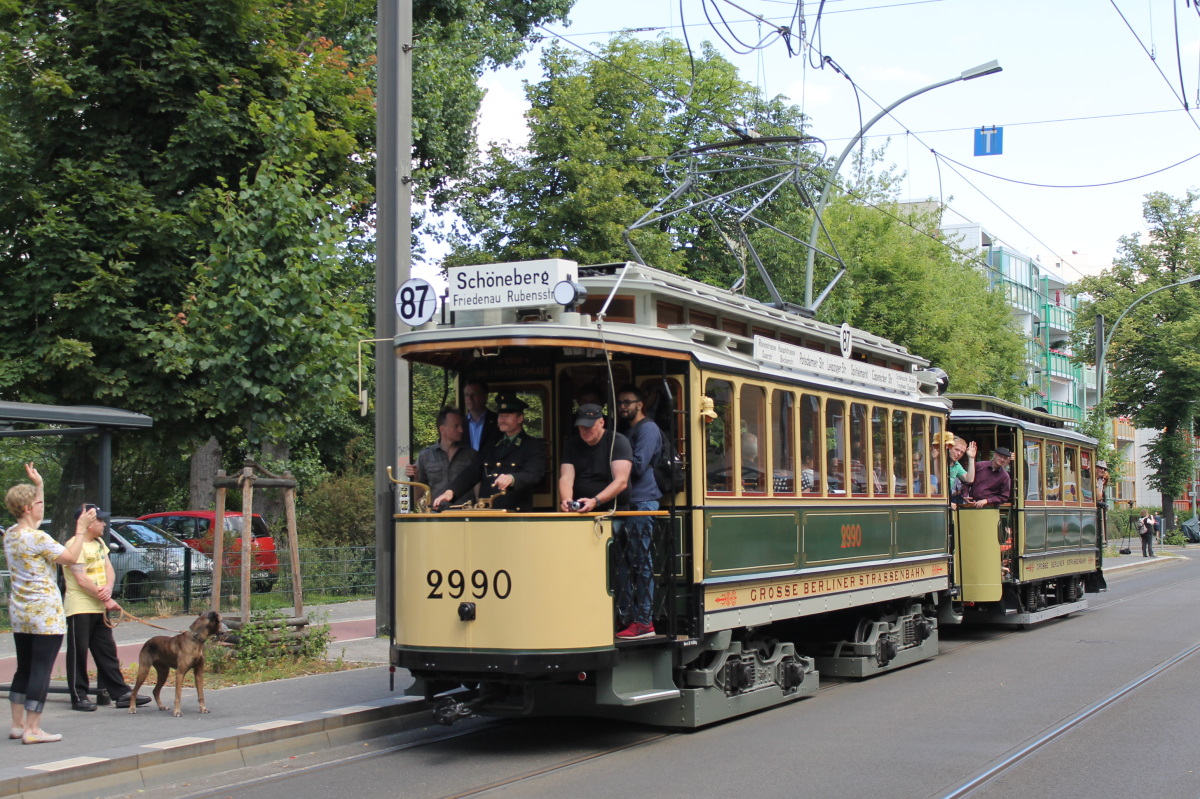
(1044, 312)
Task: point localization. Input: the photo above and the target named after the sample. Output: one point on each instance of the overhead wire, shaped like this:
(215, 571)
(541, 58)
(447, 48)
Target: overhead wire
(1064, 186)
(1154, 60)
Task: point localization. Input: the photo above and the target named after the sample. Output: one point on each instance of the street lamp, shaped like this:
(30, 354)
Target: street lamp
(1103, 353)
(989, 68)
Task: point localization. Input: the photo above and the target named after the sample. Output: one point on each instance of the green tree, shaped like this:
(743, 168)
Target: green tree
(1153, 363)
(601, 131)
(189, 194)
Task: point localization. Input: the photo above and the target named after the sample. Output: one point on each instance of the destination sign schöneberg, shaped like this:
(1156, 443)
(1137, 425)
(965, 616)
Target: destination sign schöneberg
(517, 284)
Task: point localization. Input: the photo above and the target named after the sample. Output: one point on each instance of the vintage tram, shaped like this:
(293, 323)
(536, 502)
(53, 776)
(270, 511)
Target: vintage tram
(813, 533)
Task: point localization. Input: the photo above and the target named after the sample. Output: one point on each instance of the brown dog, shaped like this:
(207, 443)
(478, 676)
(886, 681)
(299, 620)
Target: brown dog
(180, 652)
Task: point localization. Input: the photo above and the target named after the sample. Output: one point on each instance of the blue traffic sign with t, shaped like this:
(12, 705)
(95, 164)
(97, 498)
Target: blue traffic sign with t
(989, 141)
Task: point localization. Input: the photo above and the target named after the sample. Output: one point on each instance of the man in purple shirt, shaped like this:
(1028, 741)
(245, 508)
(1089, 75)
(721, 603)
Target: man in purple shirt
(993, 484)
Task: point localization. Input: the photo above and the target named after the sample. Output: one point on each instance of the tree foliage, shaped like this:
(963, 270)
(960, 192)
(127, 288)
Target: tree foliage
(187, 221)
(1154, 358)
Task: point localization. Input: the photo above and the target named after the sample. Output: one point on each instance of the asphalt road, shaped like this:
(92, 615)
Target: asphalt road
(919, 732)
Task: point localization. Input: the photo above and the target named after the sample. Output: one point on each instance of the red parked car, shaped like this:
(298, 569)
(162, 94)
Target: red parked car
(194, 528)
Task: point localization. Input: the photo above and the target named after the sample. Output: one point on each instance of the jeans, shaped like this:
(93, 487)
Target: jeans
(635, 571)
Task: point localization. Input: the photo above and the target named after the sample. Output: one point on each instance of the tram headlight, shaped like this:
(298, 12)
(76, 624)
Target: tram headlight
(569, 294)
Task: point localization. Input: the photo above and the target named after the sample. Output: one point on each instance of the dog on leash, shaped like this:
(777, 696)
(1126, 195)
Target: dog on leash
(181, 652)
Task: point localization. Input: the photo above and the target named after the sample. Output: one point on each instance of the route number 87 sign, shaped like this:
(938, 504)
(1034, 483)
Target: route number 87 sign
(416, 302)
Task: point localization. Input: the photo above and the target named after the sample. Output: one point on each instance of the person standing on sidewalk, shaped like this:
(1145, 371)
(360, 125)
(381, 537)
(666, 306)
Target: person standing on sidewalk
(35, 607)
(1145, 528)
(89, 594)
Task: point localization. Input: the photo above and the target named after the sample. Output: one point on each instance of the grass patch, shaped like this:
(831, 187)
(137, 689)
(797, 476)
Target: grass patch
(234, 673)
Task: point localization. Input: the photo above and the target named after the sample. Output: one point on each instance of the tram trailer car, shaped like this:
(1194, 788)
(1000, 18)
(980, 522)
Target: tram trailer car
(812, 535)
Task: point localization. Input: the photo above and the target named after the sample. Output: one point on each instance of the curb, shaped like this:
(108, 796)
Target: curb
(136, 767)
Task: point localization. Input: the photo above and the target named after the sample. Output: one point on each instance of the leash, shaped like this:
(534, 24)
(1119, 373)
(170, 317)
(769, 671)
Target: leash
(112, 623)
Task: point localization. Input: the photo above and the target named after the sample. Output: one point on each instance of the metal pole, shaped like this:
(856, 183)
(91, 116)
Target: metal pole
(990, 68)
(392, 267)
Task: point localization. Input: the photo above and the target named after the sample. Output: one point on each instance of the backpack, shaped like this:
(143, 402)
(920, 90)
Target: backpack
(668, 468)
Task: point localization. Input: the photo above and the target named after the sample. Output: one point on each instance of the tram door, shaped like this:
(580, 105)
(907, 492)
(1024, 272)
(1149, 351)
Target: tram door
(978, 536)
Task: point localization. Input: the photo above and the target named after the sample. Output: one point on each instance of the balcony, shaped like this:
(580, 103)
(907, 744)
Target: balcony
(1061, 366)
(1059, 317)
(1066, 410)
(1123, 431)
(1018, 296)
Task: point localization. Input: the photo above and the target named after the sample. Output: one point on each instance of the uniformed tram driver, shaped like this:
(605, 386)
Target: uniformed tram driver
(508, 467)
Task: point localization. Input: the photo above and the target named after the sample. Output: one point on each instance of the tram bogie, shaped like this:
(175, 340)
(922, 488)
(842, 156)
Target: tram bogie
(813, 535)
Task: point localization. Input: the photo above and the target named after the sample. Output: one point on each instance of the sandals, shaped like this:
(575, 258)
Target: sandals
(16, 732)
(40, 737)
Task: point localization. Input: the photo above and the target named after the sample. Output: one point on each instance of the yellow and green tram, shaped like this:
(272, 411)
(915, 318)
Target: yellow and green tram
(813, 533)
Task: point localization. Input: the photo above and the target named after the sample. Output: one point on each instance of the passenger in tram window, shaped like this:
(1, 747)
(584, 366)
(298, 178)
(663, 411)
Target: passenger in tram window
(510, 466)
(960, 477)
(753, 478)
(588, 474)
(439, 464)
(481, 423)
(993, 484)
(1102, 484)
(809, 479)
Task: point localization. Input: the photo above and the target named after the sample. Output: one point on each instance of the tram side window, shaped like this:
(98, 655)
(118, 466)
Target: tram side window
(900, 452)
(835, 442)
(937, 472)
(1033, 470)
(859, 474)
(879, 450)
(811, 442)
(1053, 471)
(919, 456)
(1070, 474)
(754, 439)
(718, 450)
(783, 442)
(1086, 475)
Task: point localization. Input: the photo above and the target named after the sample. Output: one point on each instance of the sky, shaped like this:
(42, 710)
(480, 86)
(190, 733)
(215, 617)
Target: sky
(1080, 100)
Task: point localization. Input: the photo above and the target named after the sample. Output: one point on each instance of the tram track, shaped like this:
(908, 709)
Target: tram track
(827, 685)
(1075, 721)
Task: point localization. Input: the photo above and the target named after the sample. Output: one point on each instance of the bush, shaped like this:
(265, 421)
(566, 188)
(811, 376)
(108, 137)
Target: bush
(266, 639)
(339, 511)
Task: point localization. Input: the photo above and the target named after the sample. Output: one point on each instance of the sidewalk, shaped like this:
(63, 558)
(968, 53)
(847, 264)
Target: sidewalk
(111, 751)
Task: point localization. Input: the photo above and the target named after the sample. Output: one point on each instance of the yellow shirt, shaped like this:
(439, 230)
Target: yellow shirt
(93, 557)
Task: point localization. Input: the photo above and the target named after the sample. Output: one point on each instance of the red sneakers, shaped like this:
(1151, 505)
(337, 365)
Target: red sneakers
(636, 630)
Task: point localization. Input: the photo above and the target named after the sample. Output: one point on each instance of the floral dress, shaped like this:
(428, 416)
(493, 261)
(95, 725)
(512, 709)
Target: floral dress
(34, 603)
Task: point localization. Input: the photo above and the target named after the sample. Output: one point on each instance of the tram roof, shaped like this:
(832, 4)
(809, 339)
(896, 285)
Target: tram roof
(632, 294)
(975, 408)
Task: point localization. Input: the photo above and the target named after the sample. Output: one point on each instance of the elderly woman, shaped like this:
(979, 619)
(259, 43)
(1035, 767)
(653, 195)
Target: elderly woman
(34, 604)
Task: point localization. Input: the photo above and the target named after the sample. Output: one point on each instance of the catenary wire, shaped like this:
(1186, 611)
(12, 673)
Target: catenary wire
(1063, 186)
(1153, 60)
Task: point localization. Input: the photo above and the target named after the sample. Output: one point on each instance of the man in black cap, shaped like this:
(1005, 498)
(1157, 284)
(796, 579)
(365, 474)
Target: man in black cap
(89, 583)
(993, 484)
(508, 467)
(595, 466)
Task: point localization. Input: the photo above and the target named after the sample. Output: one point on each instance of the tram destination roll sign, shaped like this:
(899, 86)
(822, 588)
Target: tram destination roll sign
(519, 284)
(834, 367)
